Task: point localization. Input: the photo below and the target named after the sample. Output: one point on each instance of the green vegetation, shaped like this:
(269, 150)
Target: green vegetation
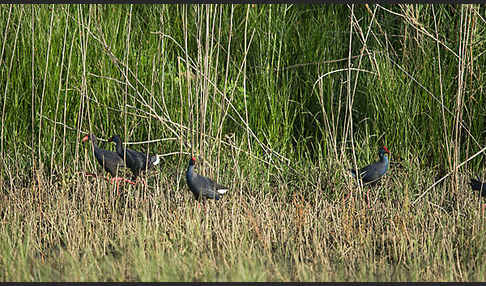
(277, 102)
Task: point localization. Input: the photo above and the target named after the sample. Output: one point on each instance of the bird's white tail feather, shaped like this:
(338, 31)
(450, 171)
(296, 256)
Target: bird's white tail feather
(222, 191)
(157, 160)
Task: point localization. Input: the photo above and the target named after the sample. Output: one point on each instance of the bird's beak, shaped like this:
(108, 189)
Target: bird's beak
(85, 138)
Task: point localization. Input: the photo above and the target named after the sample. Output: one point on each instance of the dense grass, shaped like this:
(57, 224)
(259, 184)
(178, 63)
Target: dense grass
(276, 101)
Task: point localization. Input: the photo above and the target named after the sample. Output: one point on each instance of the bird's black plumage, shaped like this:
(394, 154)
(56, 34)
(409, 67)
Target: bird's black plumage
(376, 170)
(478, 186)
(110, 161)
(203, 187)
(134, 160)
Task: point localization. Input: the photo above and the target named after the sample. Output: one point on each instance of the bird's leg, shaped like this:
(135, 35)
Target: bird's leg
(368, 197)
(117, 179)
(129, 181)
(348, 195)
(118, 187)
(482, 209)
(114, 179)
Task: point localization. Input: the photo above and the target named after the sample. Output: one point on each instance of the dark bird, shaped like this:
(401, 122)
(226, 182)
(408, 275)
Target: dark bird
(481, 187)
(203, 187)
(478, 186)
(110, 161)
(375, 171)
(134, 160)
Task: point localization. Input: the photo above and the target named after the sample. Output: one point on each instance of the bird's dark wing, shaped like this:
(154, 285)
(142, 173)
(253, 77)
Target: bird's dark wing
(141, 158)
(109, 160)
(372, 172)
(219, 187)
(478, 186)
(206, 187)
(133, 160)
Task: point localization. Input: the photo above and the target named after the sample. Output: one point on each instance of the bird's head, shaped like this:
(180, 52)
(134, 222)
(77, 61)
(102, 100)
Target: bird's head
(115, 139)
(192, 161)
(383, 151)
(89, 137)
